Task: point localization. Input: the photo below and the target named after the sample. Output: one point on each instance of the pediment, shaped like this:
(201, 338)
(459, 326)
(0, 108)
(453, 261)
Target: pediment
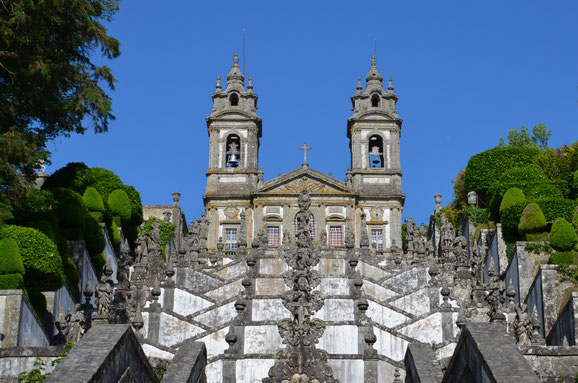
(304, 179)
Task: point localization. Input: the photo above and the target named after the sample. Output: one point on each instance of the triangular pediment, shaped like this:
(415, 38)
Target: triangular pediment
(304, 179)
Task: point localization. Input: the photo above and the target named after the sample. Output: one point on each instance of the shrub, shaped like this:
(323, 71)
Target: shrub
(557, 207)
(477, 215)
(13, 281)
(136, 205)
(575, 218)
(120, 206)
(530, 174)
(98, 261)
(93, 236)
(40, 256)
(545, 190)
(10, 259)
(512, 196)
(562, 235)
(537, 237)
(116, 239)
(69, 209)
(92, 200)
(97, 216)
(103, 180)
(575, 182)
(561, 258)
(486, 167)
(68, 176)
(510, 219)
(532, 220)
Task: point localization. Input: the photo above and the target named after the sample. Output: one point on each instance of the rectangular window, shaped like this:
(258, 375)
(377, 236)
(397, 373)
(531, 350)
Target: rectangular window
(273, 236)
(230, 239)
(335, 236)
(377, 238)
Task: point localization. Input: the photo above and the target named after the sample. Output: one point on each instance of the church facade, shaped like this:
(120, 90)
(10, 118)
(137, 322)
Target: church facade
(371, 191)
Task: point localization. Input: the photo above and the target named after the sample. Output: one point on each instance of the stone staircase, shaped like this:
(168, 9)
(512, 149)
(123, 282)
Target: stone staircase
(402, 306)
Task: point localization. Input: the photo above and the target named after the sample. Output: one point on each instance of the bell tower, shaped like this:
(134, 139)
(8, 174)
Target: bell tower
(374, 132)
(234, 131)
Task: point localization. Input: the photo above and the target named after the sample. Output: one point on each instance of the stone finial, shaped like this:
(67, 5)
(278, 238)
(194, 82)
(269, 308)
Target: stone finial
(438, 201)
(176, 198)
(359, 88)
(445, 292)
(250, 86)
(219, 87)
(88, 291)
(235, 77)
(472, 198)
(390, 87)
(374, 79)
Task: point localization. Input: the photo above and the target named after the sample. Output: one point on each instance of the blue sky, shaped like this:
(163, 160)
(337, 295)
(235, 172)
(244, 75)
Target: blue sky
(465, 73)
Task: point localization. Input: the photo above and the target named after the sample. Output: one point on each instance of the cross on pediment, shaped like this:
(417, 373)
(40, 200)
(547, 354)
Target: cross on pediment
(305, 148)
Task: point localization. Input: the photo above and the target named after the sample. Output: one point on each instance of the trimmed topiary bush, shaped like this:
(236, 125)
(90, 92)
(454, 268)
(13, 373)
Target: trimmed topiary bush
(116, 239)
(92, 200)
(70, 271)
(119, 204)
(510, 218)
(545, 190)
(562, 235)
(38, 302)
(11, 281)
(68, 176)
(69, 209)
(93, 237)
(557, 207)
(10, 259)
(40, 256)
(136, 205)
(561, 258)
(486, 167)
(532, 220)
(511, 197)
(102, 180)
(11, 266)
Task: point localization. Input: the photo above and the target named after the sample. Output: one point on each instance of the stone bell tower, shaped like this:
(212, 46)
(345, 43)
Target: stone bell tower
(234, 131)
(374, 131)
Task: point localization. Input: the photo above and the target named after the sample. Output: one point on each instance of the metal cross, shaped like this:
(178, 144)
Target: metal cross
(305, 148)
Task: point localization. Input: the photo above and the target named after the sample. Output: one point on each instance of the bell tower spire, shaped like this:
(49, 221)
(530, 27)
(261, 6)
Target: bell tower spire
(374, 131)
(234, 130)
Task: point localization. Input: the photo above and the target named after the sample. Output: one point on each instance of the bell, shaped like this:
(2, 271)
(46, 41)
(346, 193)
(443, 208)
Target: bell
(233, 159)
(376, 159)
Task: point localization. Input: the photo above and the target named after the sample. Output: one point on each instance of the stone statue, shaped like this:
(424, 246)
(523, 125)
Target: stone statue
(460, 248)
(447, 234)
(522, 326)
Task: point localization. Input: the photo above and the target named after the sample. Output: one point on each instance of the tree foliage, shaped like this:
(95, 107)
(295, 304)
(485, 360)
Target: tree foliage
(523, 139)
(49, 84)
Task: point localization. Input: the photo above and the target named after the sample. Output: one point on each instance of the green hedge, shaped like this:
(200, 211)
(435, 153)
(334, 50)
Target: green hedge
(512, 196)
(70, 209)
(10, 258)
(102, 180)
(92, 200)
(498, 189)
(120, 206)
(561, 258)
(40, 256)
(116, 239)
(94, 238)
(11, 281)
(486, 167)
(136, 218)
(510, 218)
(68, 176)
(70, 270)
(477, 215)
(530, 174)
(562, 235)
(38, 302)
(532, 220)
(557, 207)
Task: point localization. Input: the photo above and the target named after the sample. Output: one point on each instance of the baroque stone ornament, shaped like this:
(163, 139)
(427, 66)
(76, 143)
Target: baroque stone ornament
(301, 361)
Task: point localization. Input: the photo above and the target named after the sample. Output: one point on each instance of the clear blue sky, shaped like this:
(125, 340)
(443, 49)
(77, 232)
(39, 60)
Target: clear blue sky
(465, 73)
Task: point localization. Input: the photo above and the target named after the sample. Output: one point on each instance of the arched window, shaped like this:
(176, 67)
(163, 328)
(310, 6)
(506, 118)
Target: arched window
(375, 100)
(233, 153)
(234, 99)
(376, 152)
(311, 225)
